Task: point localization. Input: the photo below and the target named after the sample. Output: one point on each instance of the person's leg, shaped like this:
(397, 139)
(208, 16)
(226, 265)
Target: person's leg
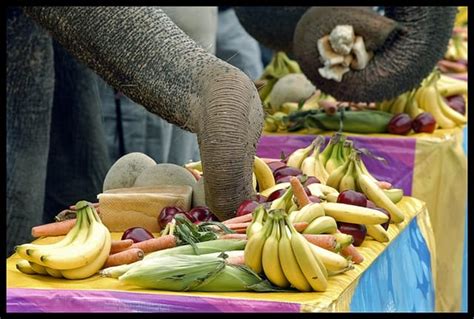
(235, 46)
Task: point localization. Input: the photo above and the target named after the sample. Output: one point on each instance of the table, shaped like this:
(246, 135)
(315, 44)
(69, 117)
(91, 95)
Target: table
(407, 257)
(426, 166)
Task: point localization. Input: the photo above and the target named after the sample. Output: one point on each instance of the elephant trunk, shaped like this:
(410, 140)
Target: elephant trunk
(142, 53)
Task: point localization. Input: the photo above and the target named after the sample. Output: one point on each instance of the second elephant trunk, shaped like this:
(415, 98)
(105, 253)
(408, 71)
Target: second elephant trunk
(142, 53)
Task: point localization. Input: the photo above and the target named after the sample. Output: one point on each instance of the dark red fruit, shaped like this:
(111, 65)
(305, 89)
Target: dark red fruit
(137, 234)
(384, 225)
(370, 204)
(424, 123)
(259, 198)
(283, 179)
(314, 199)
(286, 171)
(276, 165)
(400, 124)
(352, 197)
(200, 213)
(357, 231)
(311, 180)
(167, 214)
(246, 207)
(276, 194)
(457, 103)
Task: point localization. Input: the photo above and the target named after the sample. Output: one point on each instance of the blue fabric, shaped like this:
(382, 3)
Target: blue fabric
(400, 279)
(464, 263)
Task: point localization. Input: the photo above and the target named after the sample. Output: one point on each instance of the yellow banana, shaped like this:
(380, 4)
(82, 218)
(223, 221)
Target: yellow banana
(271, 259)
(347, 182)
(254, 247)
(429, 102)
(334, 160)
(296, 158)
(449, 86)
(78, 254)
(319, 169)
(413, 109)
(308, 166)
(267, 192)
(321, 190)
(456, 117)
(332, 197)
(336, 175)
(288, 261)
(378, 233)
(333, 262)
(321, 225)
(292, 208)
(263, 173)
(307, 261)
(34, 253)
(354, 214)
(53, 272)
(326, 153)
(24, 266)
(399, 105)
(38, 268)
(376, 195)
(257, 221)
(93, 267)
(289, 107)
(309, 212)
(254, 181)
(395, 194)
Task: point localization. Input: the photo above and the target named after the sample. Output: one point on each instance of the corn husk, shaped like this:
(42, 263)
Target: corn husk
(195, 273)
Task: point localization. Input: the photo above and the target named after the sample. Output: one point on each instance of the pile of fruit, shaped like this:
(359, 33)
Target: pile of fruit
(455, 58)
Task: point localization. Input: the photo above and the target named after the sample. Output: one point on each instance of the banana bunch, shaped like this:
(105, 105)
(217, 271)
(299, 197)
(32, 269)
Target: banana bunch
(404, 103)
(80, 254)
(287, 259)
(279, 66)
(430, 99)
(457, 49)
(262, 175)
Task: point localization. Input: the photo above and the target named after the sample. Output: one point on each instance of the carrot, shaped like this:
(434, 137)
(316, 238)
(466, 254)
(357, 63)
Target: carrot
(236, 260)
(325, 241)
(238, 225)
(239, 219)
(300, 226)
(233, 236)
(154, 244)
(299, 192)
(53, 229)
(351, 251)
(453, 66)
(127, 256)
(120, 245)
(240, 230)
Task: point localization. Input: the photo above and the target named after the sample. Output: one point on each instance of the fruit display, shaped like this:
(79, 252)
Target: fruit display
(80, 254)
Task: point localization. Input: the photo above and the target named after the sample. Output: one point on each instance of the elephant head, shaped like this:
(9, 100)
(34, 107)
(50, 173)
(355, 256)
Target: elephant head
(407, 43)
(142, 53)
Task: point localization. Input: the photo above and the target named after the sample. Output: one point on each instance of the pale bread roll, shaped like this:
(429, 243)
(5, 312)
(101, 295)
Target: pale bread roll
(124, 208)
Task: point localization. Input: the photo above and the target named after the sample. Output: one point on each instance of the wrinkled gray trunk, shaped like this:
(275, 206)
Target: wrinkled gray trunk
(141, 53)
(30, 85)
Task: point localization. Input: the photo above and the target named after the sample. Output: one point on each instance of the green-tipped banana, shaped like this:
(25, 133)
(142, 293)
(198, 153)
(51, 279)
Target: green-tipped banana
(254, 247)
(347, 182)
(257, 221)
(395, 194)
(296, 158)
(284, 201)
(326, 153)
(322, 225)
(288, 261)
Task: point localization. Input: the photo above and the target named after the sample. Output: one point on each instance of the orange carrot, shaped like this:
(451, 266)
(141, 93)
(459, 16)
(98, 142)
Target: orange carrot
(300, 226)
(325, 241)
(53, 229)
(239, 219)
(453, 66)
(240, 230)
(350, 250)
(233, 236)
(236, 260)
(154, 244)
(299, 192)
(127, 256)
(120, 245)
(238, 225)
